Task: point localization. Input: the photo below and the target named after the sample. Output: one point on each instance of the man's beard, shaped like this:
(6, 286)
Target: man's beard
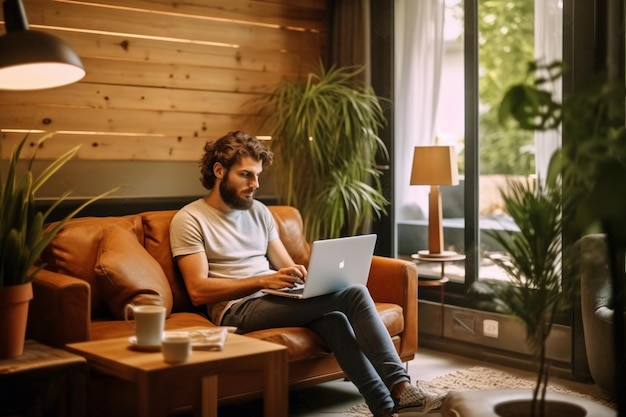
(231, 198)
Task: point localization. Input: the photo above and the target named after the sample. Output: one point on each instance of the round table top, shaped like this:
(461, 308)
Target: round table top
(445, 256)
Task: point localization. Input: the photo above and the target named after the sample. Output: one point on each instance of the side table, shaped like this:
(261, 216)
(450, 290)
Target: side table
(442, 280)
(43, 381)
(162, 387)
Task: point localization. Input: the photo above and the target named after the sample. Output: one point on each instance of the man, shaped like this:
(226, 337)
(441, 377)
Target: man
(228, 249)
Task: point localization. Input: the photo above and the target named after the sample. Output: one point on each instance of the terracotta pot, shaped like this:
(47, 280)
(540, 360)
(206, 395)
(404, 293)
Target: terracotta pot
(553, 408)
(515, 402)
(14, 302)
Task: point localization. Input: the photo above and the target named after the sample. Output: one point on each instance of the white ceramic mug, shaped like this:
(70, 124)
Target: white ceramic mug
(149, 323)
(176, 348)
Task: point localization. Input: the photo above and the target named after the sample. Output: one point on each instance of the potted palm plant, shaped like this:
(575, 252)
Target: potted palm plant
(588, 172)
(535, 292)
(325, 134)
(23, 236)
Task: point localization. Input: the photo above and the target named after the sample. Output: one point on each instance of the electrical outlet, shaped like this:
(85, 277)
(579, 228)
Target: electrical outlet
(490, 328)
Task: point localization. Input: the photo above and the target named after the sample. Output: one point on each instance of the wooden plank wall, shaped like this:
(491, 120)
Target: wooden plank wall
(163, 76)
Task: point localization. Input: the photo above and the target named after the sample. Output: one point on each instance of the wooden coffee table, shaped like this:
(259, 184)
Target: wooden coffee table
(162, 387)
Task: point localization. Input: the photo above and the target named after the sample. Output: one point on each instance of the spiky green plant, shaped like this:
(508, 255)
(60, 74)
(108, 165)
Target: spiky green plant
(23, 231)
(591, 165)
(535, 292)
(325, 135)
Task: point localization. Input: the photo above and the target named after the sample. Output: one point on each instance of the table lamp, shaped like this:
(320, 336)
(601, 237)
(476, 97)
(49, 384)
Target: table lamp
(434, 166)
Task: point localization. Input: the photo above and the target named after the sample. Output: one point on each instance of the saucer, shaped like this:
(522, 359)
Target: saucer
(144, 348)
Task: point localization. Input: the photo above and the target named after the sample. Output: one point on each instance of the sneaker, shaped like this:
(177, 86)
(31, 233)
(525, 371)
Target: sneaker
(419, 399)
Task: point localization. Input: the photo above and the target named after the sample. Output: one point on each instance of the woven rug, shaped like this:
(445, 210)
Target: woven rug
(478, 378)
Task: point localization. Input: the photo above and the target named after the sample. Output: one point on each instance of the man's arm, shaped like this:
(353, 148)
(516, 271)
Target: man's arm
(280, 258)
(278, 255)
(204, 290)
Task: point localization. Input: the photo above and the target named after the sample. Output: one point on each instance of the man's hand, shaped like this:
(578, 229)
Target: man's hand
(287, 277)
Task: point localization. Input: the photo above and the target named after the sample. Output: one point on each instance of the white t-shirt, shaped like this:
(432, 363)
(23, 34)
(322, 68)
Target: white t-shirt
(235, 243)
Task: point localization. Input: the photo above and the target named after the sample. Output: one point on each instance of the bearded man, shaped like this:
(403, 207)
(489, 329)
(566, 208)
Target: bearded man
(227, 248)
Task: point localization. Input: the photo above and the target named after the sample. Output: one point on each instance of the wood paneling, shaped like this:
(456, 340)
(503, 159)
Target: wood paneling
(162, 77)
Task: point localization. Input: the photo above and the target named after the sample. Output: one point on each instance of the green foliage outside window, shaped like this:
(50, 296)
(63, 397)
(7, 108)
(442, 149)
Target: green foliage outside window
(506, 44)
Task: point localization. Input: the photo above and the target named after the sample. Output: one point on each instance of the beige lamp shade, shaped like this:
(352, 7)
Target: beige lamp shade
(434, 165)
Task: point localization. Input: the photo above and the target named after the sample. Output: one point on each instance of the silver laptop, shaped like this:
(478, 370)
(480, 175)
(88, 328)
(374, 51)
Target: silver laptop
(334, 265)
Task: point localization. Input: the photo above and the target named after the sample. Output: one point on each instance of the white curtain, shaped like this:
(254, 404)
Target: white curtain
(548, 48)
(418, 59)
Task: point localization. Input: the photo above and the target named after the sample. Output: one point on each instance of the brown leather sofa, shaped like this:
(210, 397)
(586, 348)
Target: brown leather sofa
(96, 265)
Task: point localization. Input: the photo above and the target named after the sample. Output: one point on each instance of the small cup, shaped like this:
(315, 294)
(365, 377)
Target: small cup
(176, 348)
(149, 323)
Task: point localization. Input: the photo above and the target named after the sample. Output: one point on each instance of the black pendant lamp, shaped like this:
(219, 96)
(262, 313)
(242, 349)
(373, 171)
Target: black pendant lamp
(33, 60)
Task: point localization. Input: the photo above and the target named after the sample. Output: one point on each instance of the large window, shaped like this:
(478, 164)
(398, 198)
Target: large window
(469, 75)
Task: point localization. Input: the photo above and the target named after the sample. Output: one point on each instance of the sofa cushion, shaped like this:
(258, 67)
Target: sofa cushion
(301, 343)
(156, 226)
(127, 274)
(392, 317)
(74, 252)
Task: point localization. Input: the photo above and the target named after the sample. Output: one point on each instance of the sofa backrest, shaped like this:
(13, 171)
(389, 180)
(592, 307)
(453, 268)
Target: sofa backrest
(290, 228)
(76, 250)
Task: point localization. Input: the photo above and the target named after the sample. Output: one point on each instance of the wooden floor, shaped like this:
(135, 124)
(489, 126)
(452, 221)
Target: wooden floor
(332, 399)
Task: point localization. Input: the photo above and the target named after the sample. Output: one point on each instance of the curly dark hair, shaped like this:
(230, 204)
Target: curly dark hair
(229, 149)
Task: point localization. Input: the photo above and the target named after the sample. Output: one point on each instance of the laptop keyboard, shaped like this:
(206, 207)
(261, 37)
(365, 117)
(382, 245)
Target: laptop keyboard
(298, 289)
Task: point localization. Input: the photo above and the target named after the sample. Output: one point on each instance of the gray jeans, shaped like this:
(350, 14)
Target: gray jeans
(349, 324)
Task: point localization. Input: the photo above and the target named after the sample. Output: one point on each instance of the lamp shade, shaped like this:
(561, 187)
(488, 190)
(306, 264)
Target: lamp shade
(32, 60)
(434, 165)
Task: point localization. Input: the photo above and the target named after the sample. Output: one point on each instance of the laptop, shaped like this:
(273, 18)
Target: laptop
(334, 265)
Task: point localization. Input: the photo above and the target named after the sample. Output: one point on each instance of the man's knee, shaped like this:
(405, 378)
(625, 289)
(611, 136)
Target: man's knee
(358, 288)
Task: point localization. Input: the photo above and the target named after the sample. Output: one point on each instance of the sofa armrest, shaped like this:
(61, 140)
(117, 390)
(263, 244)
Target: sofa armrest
(60, 311)
(395, 281)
